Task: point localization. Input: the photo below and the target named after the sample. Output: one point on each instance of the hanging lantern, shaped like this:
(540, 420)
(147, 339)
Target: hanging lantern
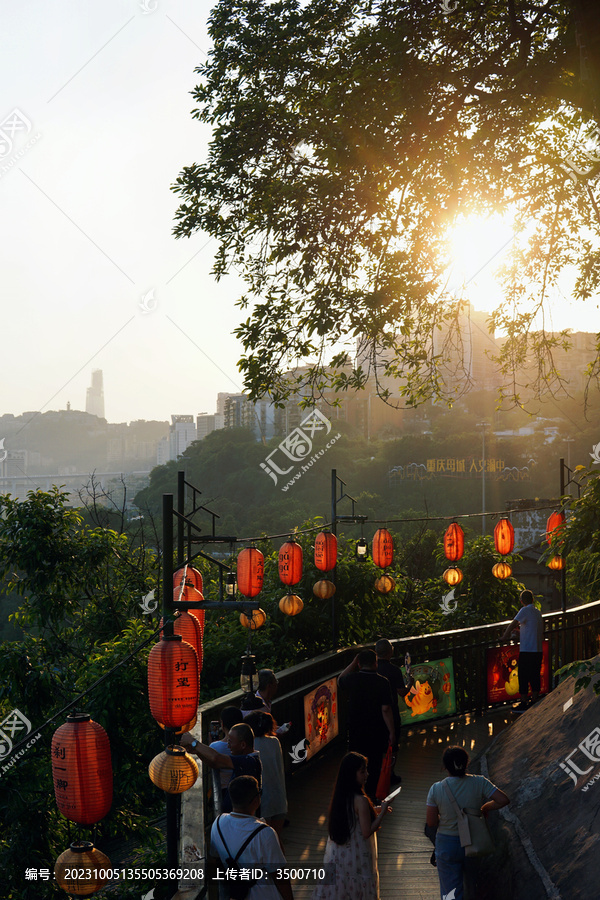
(173, 683)
(325, 551)
(291, 604)
(556, 563)
(290, 563)
(250, 572)
(385, 584)
(184, 728)
(324, 589)
(189, 577)
(188, 627)
(85, 866)
(454, 542)
(253, 618)
(504, 537)
(82, 770)
(383, 548)
(502, 570)
(174, 770)
(249, 675)
(556, 524)
(362, 549)
(230, 584)
(453, 576)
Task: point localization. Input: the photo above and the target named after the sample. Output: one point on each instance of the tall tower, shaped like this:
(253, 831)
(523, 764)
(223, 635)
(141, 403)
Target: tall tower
(94, 403)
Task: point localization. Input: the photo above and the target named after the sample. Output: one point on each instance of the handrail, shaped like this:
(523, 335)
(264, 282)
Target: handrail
(574, 634)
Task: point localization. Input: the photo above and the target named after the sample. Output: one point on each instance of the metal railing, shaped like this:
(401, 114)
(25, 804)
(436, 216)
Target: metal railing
(572, 635)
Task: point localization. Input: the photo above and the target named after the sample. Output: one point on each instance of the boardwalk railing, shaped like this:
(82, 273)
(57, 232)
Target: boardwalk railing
(573, 635)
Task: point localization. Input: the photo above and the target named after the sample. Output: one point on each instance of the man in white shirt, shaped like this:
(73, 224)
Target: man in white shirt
(231, 830)
(528, 621)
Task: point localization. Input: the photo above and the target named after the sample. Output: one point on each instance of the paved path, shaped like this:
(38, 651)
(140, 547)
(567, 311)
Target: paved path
(404, 851)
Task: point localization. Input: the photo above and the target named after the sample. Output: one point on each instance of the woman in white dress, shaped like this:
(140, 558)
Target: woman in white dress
(352, 843)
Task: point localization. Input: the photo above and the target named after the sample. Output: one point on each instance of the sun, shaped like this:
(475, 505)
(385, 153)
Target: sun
(478, 245)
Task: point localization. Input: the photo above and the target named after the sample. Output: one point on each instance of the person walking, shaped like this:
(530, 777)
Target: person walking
(528, 621)
(274, 804)
(472, 791)
(370, 717)
(231, 831)
(385, 667)
(351, 849)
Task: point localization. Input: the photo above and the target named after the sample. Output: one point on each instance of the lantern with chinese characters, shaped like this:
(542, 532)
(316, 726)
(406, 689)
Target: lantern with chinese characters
(453, 576)
(174, 770)
(188, 587)
(325, 551)
(173, 683)
(250, 572)
(324, 589)
(383, 548)
(79, 870)
(384, 584)
(504, 537)
(188, 627)
(454, 542)
(253, 618)
(82, 770)
(291, 604)
(290, 563)
(502, 570)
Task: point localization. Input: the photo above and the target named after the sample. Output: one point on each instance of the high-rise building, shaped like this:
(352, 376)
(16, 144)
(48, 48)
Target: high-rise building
(94, 402)
(206, 423)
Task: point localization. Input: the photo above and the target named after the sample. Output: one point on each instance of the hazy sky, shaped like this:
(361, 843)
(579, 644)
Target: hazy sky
(95, 126)
(101, 130)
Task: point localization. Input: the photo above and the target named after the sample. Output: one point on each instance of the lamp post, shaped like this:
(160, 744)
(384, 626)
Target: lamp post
(483, 426)
(335, 518)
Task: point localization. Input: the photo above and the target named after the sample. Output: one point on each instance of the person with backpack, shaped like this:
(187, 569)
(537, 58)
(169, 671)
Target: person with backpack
(240, 840)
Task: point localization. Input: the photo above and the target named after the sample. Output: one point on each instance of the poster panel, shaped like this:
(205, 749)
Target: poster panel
(432, 694)
(321, 716)
(503, 673)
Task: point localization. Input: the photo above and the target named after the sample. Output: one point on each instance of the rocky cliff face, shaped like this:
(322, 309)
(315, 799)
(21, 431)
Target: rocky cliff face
(548, 762)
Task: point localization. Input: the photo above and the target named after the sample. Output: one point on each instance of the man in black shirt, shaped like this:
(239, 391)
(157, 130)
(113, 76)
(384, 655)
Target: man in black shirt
(385, 667)
(370, 717)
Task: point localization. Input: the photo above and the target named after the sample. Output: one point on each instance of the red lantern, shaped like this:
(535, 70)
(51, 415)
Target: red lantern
(188, 627)
(82, 770)
(189, 577)
(173, 683)
(556, 523)
(504, 537)
(250, 572)
(383, 548)
(454, 542)
(325, 551)
(290, 563)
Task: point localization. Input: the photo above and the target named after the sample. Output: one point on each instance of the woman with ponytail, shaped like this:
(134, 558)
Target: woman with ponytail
(469, 791)
(352, 843)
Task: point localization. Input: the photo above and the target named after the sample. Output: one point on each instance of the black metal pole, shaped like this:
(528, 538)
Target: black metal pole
(334, 630)
(563, 572)
(181, 511)
(172, 804)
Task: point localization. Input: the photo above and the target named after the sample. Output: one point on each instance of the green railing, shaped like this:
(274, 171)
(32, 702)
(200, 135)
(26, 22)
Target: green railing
(572, 635)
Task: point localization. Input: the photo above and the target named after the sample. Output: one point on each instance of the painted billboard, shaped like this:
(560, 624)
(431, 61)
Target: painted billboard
(503, 673)
(432, 693)
(321, 716)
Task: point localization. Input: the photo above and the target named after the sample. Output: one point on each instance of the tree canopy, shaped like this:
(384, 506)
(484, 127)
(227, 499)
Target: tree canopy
(348, 139)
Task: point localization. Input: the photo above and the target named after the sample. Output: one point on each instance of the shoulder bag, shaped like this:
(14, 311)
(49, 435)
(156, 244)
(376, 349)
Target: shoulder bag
(472, 828)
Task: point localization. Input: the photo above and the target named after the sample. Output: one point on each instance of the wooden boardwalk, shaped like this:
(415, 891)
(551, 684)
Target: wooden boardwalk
(404, 851)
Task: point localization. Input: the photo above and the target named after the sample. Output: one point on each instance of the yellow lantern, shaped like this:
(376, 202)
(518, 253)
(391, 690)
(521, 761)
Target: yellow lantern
(291, 604)
(324, 589)
(85, 865)
(453, 576)
(556, 563)
(174, 770)
(502, 570)
(384, 584)
(253, 619)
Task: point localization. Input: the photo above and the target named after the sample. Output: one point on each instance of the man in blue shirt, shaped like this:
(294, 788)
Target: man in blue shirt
(244, 760)
(530, 625)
